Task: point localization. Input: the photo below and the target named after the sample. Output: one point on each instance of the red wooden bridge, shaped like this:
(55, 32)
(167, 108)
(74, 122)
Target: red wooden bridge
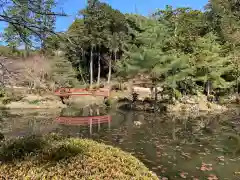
(66, 92)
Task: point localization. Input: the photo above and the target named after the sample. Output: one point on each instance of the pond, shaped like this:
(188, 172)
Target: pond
(173, 146)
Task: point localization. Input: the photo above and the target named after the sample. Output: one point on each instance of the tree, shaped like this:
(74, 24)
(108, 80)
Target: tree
(43, 20)
(21, 22)
(101, 29)
(76, 47)
(11, 36)
(117, 37)
(208, 64)
(90, 30)
(185, 25)
(225, 17)
(151, 59)
(62, 72)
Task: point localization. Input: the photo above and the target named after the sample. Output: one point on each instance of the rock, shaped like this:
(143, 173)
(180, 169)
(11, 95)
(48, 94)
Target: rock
(217, 107)
(190, 101)
(137, 123)
(1, 137)
(189, 105)
(202, 106)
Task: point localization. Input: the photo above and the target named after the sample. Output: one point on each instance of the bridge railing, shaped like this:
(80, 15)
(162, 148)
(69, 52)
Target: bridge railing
(83, 120)
(82, 92)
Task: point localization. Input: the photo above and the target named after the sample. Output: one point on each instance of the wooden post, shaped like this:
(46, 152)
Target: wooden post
(109, 124)
(90, 124)
(98, 119)
(90, 127)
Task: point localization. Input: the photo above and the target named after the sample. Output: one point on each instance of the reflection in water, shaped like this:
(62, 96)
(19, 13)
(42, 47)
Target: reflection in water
(168, 144)
(85, 121)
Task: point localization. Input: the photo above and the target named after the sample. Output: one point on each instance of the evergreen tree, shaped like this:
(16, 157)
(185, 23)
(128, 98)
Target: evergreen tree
(20, 19)
(43, 20)
(11, 35)
(209, 66)
(227, 16)
(62, 72)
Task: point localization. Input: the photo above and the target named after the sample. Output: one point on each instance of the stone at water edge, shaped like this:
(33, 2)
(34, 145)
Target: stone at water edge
(1, 137)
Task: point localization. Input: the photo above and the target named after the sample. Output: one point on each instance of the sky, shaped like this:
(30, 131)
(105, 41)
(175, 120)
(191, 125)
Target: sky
(144, 7)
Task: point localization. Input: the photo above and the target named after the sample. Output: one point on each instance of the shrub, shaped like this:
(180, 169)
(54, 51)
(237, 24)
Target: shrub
(54, 157)
(34, 101)
(11, 96)
(118, 86)
(6, 101)
(2, 92)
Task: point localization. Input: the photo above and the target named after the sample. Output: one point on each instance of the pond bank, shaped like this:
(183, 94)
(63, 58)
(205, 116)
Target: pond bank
(185, 104)
(116, 100)
(48, 101)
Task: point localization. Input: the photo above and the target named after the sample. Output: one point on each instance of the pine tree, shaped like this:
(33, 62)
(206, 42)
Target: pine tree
(43, 20)
(63, 73)
(166, 68)
(208, 64)
(12, 37)
(225, 17)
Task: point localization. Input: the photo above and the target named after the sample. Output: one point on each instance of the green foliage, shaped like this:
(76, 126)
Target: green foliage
(28, 22)
(11, 35)
(178, 49)
(182, 49)
(45, 21)
(208, 64)
(62, 72)
(55, 157)
(95, 39)
(34, 102)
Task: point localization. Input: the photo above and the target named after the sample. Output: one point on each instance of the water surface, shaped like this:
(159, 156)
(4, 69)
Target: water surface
(173, 146)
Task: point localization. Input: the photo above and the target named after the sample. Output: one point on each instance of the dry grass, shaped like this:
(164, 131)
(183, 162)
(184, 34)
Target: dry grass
(30, 72)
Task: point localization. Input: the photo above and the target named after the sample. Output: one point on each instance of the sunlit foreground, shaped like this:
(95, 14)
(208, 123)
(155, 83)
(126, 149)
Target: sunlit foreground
(55, 157)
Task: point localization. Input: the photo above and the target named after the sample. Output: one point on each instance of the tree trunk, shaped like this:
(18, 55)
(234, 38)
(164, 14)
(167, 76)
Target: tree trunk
(110, 69)
(99, 69)
(91, 68)
(155, 98)
(237, 84)
(26, 53)
(208, 88)
(80, 69)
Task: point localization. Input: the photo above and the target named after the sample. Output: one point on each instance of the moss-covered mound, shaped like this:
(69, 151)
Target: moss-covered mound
(54, 157)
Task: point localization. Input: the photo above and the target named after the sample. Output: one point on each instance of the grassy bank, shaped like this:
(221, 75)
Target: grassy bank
(54, 157)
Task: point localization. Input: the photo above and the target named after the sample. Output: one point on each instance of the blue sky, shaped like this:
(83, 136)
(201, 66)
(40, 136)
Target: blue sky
(144, 7)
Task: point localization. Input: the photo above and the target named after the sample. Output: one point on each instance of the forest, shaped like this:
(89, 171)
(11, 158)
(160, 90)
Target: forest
(180, 49)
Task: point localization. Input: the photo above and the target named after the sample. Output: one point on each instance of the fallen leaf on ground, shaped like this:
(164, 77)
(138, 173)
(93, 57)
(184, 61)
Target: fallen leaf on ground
(206, 167)
(183, 175)
(212, 177)
(164, 178)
